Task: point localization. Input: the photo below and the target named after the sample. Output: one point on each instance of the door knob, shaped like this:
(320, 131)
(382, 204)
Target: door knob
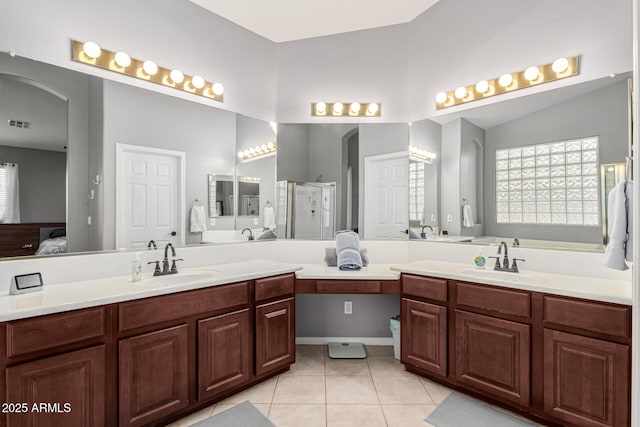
(173, 233)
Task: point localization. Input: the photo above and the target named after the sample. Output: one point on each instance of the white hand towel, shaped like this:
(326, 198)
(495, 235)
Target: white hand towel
(629, 206)
(269, 217)
(619, 224)
(198, 219)
(467, 216)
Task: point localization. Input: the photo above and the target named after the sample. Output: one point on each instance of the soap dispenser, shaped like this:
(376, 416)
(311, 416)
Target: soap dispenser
(136, 269)
(480, 261)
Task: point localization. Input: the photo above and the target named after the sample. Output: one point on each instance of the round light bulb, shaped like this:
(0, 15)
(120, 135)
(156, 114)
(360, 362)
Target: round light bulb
(531, 73)
(263, 147)
(505, 80)
(373, 108)
(460, 92)
(150, 67)
(482, 86)
(176, 76)
(122, 59)
(197, 82)
(321, 108)
(217, 88)
(91, 49)
(560, 65)
(270, 146)
(338, 108)
(252, 150)
(240, 154)
(258, 148)
(245, 153)
(355, 107)
(441, 97)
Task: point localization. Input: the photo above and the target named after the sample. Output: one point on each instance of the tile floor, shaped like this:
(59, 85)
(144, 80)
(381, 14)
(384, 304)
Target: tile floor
(323, 392)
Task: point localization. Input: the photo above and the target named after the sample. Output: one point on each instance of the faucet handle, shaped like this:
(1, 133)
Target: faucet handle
(514, 266)
(156, 271)
(174, 268)
(497, 265)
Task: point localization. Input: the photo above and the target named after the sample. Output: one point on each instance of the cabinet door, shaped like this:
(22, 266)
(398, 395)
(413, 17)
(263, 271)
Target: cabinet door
(586, 381)
(223, 353)
(424, 336)
(153, 375)
(71, 387)
(493, 356)
(275, 336)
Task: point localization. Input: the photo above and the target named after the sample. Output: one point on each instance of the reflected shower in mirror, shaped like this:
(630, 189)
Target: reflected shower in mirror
(220, 195)
(248, 196)
(337, 154)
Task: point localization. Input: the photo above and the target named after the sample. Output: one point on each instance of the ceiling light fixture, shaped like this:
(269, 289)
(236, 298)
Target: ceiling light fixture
(561, 68)
(90, 53)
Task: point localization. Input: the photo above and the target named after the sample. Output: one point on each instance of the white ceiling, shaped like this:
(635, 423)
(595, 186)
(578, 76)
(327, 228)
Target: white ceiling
(286, 20)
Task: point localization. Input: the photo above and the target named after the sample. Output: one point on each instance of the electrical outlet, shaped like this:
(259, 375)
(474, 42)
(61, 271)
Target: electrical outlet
(449, 218)
(433, 217)
(212, 221)
(255, 221)
(89, 220)
(348, 307)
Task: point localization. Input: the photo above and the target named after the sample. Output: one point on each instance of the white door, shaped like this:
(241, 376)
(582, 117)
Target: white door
(149, 197)
(386, 202)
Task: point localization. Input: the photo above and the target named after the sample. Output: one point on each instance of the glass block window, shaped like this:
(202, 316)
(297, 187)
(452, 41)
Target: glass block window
(553, 183)
(416, 191)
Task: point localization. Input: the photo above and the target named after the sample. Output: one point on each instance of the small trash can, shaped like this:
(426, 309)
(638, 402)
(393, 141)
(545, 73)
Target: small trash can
(394, 326)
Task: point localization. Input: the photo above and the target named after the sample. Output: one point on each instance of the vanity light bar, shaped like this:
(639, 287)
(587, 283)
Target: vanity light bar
(259, 151)
(346, 109)
(421, 155)
(91, 54)
(561, 68)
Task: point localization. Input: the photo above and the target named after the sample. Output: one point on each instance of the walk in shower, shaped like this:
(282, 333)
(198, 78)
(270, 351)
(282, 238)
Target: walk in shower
(306, 210)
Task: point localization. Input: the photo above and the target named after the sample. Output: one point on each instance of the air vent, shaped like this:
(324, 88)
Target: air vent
(19, 123)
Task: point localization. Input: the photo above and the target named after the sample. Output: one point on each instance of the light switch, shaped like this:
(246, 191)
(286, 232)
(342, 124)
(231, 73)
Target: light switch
(212, 221)
(255, 221)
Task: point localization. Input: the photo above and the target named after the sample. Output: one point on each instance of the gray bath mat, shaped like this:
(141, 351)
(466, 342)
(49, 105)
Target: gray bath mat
(242, 415)
(346, 350)
(460, 411)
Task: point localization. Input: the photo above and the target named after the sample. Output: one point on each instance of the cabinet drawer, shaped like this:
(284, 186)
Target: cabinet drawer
(424, 287)
(505, 301)
(44, 332)
(590, 316)
(149, 311)
(274, 287)
(20, 238)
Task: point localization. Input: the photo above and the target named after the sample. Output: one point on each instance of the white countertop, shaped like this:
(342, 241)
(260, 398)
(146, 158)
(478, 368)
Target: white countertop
(370, 272)
(90, 293)
(609, 290)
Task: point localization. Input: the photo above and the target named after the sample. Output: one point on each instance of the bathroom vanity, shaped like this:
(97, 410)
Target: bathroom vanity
(147, 361)
(554, 358)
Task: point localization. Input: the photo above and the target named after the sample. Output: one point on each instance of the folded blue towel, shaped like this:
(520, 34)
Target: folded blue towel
(347, 239)
(331, 257)
(349, 259)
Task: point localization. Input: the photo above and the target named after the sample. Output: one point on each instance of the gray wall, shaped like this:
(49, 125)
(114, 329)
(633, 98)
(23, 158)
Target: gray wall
(293, 152)
(42, 179)
(472, 142)
(96, 160)
(75, 86)
(140, 117)
(450, 174)
(323, 315)
(602, 112)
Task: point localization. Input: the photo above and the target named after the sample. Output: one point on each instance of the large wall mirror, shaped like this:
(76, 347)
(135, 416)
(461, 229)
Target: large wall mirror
(342, 177)
(529, 168)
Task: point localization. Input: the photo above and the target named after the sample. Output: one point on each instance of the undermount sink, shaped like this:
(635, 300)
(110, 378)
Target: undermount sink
(180, 278)
(500, 275)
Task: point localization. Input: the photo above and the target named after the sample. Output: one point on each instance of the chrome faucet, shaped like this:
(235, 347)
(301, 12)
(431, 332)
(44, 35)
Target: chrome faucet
(516, 242)
(422, 233)
(152, 243)
(165, 262)
(250, 233)
(505, 262)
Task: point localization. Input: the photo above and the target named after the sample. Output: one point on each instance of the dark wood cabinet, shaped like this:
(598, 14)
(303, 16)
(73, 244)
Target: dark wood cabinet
(224, 356)
(67, 390)
(493, 355)
(424, 336)
(586, 380)
(153, 377)
(274, 336)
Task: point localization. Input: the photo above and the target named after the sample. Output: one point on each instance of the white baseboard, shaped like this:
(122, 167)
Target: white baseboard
(327, 340)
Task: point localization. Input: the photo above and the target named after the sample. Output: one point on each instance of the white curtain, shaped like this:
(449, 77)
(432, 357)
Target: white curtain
(11, 212)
